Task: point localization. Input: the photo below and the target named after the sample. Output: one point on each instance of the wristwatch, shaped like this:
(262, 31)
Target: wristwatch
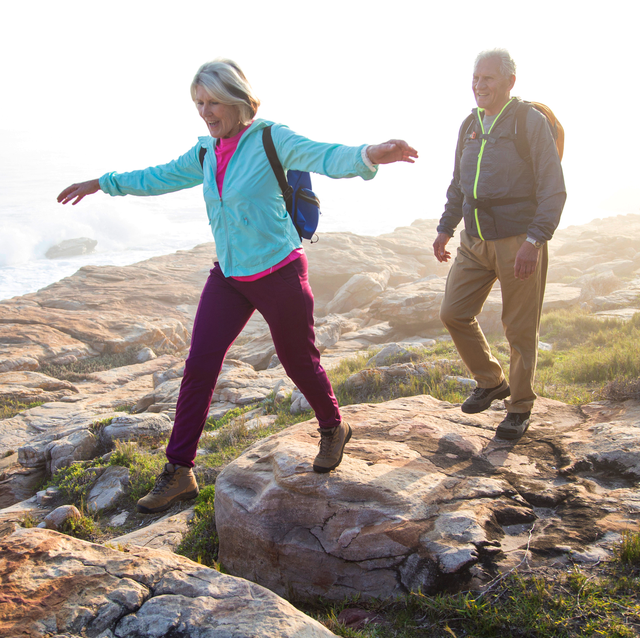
(535, 242)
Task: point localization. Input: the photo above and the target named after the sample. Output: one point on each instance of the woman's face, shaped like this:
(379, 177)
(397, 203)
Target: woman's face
(223, 120)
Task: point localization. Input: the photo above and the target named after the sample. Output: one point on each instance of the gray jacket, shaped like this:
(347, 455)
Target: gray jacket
(503, 174)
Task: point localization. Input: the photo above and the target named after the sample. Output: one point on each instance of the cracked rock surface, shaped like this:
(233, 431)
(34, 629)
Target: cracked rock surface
(54, 584)
(427, 497)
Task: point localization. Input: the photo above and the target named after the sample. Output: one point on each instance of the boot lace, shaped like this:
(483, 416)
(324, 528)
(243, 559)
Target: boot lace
(326, 442)
(163, 481)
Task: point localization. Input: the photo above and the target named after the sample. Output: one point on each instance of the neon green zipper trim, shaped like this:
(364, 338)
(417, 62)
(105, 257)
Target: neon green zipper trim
(475, 184)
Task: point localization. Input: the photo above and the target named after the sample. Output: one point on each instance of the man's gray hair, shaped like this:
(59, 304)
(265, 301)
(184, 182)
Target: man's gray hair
(507, 65)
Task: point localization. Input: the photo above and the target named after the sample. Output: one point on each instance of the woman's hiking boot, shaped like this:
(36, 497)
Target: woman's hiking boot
(514, 425)
(332, 442)
(481, 398)
(176, 483)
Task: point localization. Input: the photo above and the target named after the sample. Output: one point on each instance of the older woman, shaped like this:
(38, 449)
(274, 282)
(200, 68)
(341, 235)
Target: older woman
(261, 264)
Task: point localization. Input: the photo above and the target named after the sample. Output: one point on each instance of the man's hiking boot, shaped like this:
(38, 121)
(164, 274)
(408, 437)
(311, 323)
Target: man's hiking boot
(514, 425)
(176, 483)
(332, 442)
(481, 398)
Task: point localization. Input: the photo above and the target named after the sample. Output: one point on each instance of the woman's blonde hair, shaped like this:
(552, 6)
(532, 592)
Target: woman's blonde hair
(224, 81)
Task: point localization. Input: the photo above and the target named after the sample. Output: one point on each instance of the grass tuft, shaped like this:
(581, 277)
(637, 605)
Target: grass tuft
(629, 550)
(9, 408)
(200, 543)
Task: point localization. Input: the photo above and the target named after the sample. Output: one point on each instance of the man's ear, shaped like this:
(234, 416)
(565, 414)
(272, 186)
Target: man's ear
(512, 81)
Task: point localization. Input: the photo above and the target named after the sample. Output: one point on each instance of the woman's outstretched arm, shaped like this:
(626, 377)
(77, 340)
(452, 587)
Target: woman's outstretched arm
(391, 151)
(79, 191)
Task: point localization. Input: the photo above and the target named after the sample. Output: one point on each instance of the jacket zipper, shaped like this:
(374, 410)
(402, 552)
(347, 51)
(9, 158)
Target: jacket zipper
(480, 154)
(222, 214)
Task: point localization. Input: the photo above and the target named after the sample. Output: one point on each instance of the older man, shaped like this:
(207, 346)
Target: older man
(511, 203)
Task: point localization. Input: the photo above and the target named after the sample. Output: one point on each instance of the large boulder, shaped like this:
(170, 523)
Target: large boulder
(58, 585)
(424, 496)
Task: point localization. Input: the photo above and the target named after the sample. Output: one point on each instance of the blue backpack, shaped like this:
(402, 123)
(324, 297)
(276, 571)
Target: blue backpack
(302, 204)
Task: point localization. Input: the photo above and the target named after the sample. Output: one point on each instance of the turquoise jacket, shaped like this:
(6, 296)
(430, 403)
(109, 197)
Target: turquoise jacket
(250, 224)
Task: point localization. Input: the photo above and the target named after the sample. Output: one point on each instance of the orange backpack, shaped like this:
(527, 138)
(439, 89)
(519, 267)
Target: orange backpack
(520, 131)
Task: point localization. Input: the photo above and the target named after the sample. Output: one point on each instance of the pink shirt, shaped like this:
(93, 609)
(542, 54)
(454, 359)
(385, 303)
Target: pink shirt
(225, 148)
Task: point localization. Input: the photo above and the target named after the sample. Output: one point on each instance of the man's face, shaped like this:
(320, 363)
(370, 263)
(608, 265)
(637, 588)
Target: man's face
(490, 88)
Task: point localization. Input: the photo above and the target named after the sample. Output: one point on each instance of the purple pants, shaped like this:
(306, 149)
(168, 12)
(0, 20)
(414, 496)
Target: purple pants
(285, 300)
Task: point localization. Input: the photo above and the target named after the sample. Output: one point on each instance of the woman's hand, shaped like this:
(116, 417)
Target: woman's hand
(78, 191)
(391, 151)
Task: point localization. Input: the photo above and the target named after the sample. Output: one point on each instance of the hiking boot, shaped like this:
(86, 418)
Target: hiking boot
(176, 483)
(514, 425)
(332, 442)
(481, 398)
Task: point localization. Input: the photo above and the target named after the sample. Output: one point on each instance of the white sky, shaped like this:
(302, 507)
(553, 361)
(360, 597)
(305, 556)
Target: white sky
(105, 86)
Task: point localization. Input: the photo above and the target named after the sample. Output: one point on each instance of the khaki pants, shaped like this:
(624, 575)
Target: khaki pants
(476, 267)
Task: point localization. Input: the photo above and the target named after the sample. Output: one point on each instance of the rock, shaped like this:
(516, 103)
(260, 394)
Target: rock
(56, 519)
(385, 375)
(120, 519)
(72, 248)
(238, 384)
(413, 306)
(378, 333)
(140, 592)
(424, 492)
(257, 353)
(26, 347)
(45, 497)
(596, 285)
(12, 517)
(392, 353)
(146, 354)
(359, 291)
(165, 534)
(108, 488)
(77, 446)
(137, 427)
(328, 331)
(176, 372)
(298, 402)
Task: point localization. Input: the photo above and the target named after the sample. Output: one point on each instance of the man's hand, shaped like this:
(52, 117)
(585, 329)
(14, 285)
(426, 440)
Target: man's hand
(526, 260)
(391, 151)
(439, 247)
(79, 191)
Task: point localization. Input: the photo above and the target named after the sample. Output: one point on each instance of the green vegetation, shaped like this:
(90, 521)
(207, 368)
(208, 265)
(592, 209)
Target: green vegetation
(9, 407)
(200, 543)
(374, 388)
(28, 521)
(84, 527)
(592, 358)
(602, 602)
(143, 467)
(78, 370)
(629, 550)
(75, 480)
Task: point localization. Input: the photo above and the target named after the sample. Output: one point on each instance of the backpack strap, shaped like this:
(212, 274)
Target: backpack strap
(464, 129)
(520, 130)
(203, 152)
(276, 166)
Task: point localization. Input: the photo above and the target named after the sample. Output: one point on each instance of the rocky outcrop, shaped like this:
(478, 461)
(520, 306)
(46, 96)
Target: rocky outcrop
(72, 248)
(426, 496)
(62, 586)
